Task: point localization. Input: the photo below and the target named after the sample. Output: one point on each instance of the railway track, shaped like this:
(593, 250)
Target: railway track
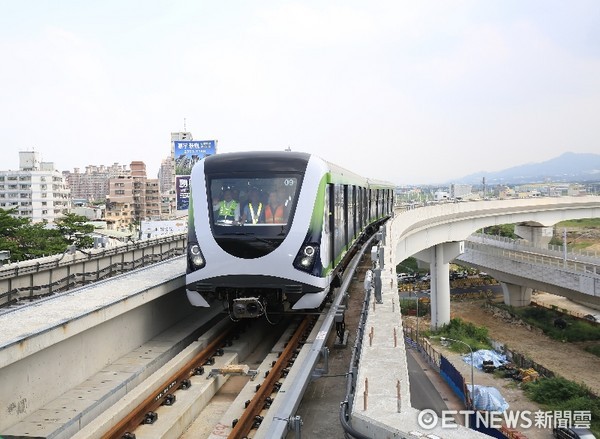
(166, 393)
(178, 393)
(262, 408)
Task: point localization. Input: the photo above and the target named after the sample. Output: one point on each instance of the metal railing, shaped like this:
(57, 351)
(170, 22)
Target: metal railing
(518, 251)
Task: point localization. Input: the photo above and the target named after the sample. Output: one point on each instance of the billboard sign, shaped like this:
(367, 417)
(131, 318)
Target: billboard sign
(182, 186)
(188, 152)
(152, 229)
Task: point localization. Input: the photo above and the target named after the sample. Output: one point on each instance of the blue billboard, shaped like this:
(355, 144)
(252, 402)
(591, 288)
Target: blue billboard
(188, 152)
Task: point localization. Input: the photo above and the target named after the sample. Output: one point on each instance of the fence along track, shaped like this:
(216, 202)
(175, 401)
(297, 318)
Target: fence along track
(37, 278)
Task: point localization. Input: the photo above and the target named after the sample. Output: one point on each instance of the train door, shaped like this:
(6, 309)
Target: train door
(346, 207)
(337, 222)
(352, 213)
(330, 221)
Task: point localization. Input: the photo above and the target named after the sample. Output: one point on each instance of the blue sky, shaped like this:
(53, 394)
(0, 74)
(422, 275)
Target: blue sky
(406, 91)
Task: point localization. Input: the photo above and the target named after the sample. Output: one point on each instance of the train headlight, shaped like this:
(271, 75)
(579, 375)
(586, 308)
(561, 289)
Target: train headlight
(309, 251)
(306, 258)
(195, 257)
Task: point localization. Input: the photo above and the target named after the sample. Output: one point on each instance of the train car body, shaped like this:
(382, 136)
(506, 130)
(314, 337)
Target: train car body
(303, 215)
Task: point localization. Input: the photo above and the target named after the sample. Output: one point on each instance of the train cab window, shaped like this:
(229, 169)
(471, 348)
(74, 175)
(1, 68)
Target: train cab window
(258, 202)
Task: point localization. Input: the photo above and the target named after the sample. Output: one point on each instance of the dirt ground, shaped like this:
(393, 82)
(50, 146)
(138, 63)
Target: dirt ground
(568, 360)
(565, 359)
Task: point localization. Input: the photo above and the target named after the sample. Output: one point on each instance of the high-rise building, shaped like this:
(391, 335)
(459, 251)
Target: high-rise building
(165, 175)
(92, 184)
(153, 199)
(119, 203)
(166, 178)
(37, 190)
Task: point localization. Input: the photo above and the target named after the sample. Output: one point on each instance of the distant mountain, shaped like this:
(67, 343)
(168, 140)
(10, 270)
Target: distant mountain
(569, 167)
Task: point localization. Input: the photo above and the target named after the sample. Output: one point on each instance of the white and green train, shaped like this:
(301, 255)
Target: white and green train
(270, 232)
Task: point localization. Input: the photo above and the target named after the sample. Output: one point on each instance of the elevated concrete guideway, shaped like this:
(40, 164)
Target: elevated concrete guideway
(522, 268)
(436, 234)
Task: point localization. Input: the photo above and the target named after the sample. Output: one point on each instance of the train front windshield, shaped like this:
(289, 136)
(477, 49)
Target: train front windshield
(264, 203)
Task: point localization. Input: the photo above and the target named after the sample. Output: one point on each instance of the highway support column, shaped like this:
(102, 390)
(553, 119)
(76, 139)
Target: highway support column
(439, 257)
(516, 295)
(539, 236)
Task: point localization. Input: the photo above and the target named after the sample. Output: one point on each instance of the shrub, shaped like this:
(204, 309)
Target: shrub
(559, 394)
(576, 330)
(593, 350)
(475, 336)
(552, 391)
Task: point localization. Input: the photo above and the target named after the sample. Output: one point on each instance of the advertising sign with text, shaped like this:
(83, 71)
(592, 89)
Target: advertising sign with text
(187, 154)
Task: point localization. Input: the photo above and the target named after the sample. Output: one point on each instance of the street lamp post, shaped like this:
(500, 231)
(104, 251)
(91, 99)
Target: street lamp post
(472, 366)
(565, 247)
(417, 300)
(417, 297)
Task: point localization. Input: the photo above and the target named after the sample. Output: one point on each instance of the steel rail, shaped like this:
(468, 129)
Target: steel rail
(158, 397)
(247, 420)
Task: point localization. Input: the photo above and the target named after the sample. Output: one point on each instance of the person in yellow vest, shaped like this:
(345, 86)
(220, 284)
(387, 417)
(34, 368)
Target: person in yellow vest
(274, 212)
(254, 211)
(227, 209)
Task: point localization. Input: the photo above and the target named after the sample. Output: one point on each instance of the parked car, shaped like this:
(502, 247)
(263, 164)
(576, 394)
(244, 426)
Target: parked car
(572, 433)
(401, 276)
(458, 275)
(406, 278)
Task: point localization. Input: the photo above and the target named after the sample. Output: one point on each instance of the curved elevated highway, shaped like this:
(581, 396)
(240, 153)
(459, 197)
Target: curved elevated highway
(436, 235)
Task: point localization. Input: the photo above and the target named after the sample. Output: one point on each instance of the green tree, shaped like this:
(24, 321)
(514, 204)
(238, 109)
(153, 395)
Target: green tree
(37, 240)
(9, 225)
(75, 229)
(10, 228)
(408, 265)
(29, 241)
(506, 230)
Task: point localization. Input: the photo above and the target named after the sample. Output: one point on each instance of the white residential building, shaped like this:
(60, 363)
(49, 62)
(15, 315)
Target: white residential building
(460, 191)
(37, 190)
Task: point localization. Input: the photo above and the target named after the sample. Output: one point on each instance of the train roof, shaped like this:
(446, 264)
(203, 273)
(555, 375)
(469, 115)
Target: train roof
(279, 160)
(287, 161)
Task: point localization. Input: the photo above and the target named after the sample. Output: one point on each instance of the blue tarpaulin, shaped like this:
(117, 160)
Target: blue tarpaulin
(484, 397)
(484, 355)
(488, 398)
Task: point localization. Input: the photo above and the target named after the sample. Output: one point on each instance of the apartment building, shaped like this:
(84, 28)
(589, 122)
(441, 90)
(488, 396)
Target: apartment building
(166, 177)
(37, 190)
(132, 198)
(92, 184)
